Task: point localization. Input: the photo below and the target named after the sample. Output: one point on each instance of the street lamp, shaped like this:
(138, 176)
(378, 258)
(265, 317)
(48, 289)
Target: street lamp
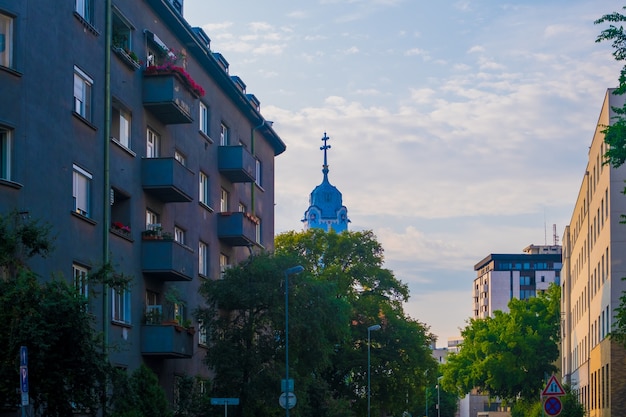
(438, 403)
(290, 271)
(370, 329)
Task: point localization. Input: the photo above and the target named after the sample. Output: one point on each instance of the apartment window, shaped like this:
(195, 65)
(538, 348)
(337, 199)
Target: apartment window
(81, 189)
(203, 192)
(204, 119)
(121, 33)
(80, 280)
(180, 157)
(85, 9)
(242, 208)
(223, 201)
(223, 135)
(5, 153)
(202, 337)
(224, 264)
(82, 93)
(153, 144)
(120, 125)
(6, 41)
(203, 259)
(121, 305)
(152, 220)
(258, 174)
(179, 235)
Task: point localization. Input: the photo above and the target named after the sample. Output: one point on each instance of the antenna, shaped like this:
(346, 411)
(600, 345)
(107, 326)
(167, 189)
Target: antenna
(554, 235)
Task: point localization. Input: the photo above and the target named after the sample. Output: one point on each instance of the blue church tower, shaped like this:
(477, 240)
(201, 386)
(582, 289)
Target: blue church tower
(326, 210)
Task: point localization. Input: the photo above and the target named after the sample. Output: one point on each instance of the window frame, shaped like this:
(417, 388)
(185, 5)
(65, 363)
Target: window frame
(203, 259)
(180, 235)
(121, 304)
(83, 96)
(224, 134)
(6, 57)
(224, 197)
(81, 281)
(203, 189)
(155, 145)
(203, 119)
(119, 112)
(6, 153)
(80, 173)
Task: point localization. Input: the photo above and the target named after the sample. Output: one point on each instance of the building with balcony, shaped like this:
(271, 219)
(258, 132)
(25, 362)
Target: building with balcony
(594, 265)
(139, 148)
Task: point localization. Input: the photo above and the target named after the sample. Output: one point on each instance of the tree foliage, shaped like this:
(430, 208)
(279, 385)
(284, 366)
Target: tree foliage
(507, 355)
(342, 291)
(138, 395)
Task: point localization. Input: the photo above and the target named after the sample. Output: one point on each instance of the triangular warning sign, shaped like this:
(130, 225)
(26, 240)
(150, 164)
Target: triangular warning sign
(553, 388)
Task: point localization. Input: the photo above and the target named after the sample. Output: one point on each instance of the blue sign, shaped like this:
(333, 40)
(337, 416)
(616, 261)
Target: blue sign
(24, 378)
(224, 401)
(23, 356)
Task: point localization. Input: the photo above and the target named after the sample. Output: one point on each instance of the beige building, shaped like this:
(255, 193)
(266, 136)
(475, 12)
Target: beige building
(594, 263)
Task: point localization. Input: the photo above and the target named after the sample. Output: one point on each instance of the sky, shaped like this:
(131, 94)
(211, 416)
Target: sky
(458, 128)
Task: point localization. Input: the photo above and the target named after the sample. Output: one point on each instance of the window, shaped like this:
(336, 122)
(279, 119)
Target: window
(80, 280)
(258, 173)
(202, 334)
(152, 220)
(204, 119)
(180, 157)
(242, 208)
(82, 191)
(203, 259)
(85, 9)
(224, 201)
(121, 305)
(82, 93)
(179, 235)
(6, 41)
(121, 33)
(5, 154)
(224, 264)
(203, 192)
(223, 135)
(153, 144)
(120, 125)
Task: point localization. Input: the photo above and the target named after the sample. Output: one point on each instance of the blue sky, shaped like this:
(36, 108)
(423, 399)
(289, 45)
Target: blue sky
(458, 128)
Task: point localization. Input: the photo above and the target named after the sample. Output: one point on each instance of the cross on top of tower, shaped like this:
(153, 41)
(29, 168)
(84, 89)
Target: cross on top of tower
(325, 148)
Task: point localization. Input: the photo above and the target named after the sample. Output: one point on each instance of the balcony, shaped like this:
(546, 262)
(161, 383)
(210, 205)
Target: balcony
(167, 96)
(167, 260)
(167, 179)
(166, 341)
(236, 164)
(237, 228)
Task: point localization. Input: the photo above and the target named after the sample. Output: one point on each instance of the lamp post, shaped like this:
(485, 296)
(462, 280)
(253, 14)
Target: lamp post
(370, 329)
(438, 402)
(290, 271)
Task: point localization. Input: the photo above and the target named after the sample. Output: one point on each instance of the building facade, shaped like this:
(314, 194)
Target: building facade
(594, 255)
(326, 210)
(140, 149)
(502, 277)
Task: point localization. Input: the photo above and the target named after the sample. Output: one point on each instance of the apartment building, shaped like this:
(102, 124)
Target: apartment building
(139, 148)
(502, 277)
(594, 255)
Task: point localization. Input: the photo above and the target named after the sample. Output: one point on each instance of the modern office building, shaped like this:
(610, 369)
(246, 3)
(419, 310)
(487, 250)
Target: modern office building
(502, 277)
(139, 148)
(326, 210)
(594, 264)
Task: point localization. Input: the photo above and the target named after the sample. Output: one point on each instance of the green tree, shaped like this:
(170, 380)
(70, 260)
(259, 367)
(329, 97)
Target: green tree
(507, 355)
(66, 365)
(400, 351)
(138, 395)
(245, 319)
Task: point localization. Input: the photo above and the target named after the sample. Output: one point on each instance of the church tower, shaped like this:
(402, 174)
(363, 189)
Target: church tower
(326, 210)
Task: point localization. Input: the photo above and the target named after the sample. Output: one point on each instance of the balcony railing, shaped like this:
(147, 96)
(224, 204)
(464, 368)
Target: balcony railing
(236, 163)
(167, 260)
(167, 341)
(236, 228)
(167, 179)
(167, 97)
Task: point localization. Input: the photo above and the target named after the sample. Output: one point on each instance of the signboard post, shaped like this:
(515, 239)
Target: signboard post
(24, 377)
(225, 402)
(552, 393)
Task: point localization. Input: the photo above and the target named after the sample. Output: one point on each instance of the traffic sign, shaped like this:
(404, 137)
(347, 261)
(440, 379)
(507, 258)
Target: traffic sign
(553, 388)
(224, 401)
(286, 386)
(282, 400)
(552, 406)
